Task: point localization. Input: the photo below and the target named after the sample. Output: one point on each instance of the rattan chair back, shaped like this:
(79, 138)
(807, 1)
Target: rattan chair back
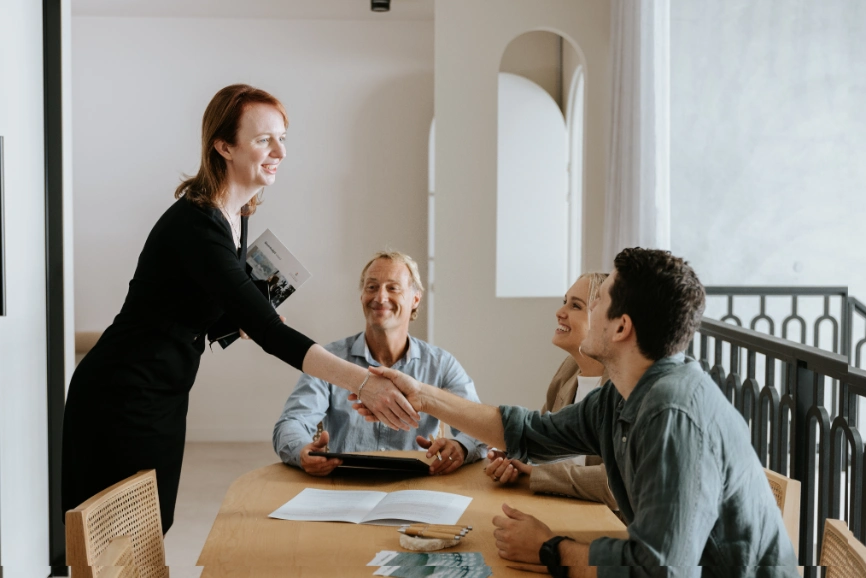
(787, 494)
(129, 508)
(841, 553)
(857, 557)
(116, 561)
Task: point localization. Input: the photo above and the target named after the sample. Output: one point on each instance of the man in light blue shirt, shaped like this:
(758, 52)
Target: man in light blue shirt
(391, 291)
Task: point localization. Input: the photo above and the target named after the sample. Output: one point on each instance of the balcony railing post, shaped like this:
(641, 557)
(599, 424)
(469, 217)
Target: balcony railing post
(802, 385)
(847, 314)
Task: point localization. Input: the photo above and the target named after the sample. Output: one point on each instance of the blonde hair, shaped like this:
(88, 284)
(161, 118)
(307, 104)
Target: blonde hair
(399, 258)
(595, 281)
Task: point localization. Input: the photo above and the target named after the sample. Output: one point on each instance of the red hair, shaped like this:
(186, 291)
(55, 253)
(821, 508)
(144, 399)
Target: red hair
(221, 120)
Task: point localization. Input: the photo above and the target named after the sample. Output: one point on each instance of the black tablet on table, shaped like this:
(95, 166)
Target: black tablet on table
(374, 462)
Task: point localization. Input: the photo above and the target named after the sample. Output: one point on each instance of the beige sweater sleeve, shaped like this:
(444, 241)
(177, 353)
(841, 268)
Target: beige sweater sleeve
(569, 479)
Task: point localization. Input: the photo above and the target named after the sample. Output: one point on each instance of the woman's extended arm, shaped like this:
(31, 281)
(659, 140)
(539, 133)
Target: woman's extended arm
(480, 421)
(211, 259)
(379, 395)
(393, 409)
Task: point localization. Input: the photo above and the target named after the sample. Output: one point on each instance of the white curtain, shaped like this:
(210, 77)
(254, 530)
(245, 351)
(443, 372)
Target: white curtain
(637, 206)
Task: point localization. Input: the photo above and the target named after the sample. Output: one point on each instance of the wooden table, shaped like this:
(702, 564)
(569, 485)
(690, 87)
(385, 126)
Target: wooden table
(244, 542)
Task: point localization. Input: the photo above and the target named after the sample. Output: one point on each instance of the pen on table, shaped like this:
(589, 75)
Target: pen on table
(319, 430)
(429, 534)
(462, 530)
(438, 454)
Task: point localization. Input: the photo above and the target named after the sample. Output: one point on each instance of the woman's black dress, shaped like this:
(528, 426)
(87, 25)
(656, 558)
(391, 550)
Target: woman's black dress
(127, 402)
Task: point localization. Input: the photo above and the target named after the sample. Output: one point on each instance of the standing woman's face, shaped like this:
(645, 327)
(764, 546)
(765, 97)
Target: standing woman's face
(258, 150)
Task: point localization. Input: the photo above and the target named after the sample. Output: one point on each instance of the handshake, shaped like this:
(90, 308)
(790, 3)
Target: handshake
(398, 399)
(391, 397)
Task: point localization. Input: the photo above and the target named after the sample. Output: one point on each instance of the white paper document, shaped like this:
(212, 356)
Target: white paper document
(380, 508)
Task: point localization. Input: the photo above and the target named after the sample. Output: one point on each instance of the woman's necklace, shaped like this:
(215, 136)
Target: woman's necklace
(236, 235)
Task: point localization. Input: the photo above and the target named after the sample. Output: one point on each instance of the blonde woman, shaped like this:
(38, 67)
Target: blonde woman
(581, 477)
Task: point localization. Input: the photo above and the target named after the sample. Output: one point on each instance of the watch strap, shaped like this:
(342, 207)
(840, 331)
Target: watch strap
(549, 556)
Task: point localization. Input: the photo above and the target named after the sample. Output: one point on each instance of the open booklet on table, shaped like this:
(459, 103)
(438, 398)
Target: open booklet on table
(277, 274)
(379, 508)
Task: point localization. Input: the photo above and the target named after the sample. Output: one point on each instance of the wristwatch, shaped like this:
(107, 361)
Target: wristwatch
(549, 555)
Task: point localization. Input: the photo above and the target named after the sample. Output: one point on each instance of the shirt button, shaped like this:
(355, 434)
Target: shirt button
(623, 439)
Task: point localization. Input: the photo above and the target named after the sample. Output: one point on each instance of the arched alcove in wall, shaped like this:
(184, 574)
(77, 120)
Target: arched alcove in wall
(531, 191)
(540, 166)
(539, 169)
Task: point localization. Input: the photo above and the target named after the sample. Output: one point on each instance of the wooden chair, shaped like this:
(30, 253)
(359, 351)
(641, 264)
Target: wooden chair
(116, 561)
(842, 553)
(857, 557)
(787, 494)
(118, 532)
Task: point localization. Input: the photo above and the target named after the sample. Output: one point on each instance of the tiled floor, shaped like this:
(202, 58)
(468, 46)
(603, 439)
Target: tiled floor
(208, 471)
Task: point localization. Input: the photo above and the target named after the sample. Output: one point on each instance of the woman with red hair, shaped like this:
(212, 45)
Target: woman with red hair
(127, 402)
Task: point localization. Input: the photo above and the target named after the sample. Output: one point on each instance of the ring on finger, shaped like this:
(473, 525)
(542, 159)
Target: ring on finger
(495, 478)
(450, 458)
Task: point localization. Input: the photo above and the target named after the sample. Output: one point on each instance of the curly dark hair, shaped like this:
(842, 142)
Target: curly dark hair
(663, 297)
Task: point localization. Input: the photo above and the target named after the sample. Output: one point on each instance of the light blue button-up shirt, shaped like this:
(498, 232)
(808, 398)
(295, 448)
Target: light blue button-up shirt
(315, 400)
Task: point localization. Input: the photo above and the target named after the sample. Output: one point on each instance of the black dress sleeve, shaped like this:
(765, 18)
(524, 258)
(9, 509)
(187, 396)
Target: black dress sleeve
(212, 261)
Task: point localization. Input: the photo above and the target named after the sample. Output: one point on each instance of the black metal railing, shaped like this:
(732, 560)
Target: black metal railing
(829, 316)
(795, 430)
(856, 315)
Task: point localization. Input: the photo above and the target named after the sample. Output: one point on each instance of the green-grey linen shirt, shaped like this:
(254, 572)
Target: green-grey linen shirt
(681, 468)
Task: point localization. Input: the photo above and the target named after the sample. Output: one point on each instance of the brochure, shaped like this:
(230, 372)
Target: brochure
(435, 571)
(437, 565)
(394, 558)
(275, 271)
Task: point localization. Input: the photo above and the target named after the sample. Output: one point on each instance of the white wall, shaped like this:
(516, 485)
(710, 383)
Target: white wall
(360, 99)
(503, 343)
(768, 183)
(23, 428)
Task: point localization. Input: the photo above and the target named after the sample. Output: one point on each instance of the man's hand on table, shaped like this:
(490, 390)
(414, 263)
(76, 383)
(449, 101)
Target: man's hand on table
(519, 537)
(453, 454)
(318, 465)
(504, 471)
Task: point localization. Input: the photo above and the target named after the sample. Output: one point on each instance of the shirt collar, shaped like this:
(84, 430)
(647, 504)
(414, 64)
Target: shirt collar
(361, 349)
(645, 383)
